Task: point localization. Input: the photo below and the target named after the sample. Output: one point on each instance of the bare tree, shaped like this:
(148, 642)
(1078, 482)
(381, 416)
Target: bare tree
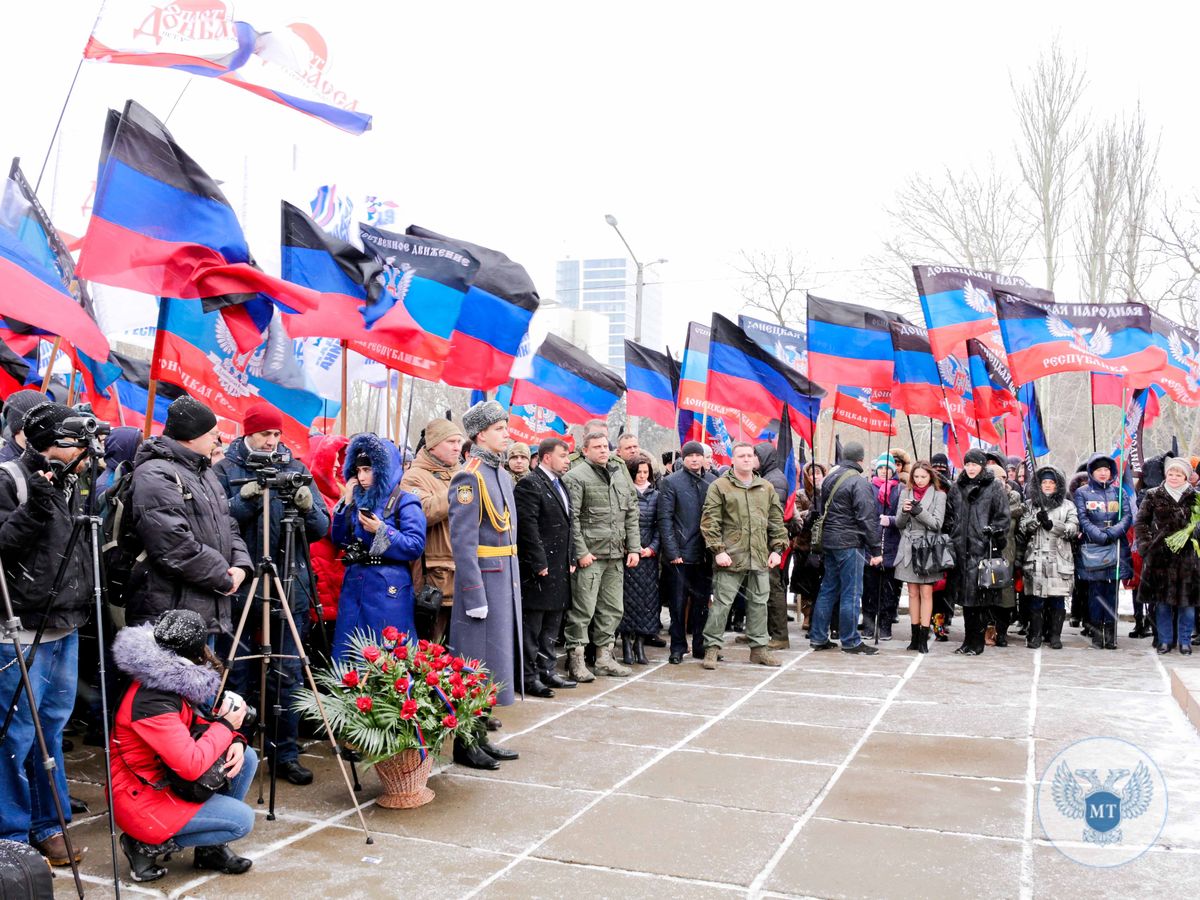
(1097, 234)
(1050, 138)
(967, 219)
(776, 284)
(1176, 240)
(1139, 177)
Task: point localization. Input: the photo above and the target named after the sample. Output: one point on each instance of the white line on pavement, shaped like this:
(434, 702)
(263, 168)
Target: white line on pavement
(1030, 783)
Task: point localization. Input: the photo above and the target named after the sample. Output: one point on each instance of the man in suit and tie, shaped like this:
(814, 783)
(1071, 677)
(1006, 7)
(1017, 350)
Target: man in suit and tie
(544, 555)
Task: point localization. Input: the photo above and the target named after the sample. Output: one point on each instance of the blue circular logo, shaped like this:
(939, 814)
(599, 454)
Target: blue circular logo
(1102, 802)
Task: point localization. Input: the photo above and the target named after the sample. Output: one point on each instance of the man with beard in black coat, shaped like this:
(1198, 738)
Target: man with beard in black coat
(544, 556)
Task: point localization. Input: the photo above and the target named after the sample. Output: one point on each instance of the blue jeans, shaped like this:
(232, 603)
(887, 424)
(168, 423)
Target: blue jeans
(842, 584)
(1102, 602)
(224, 817)
(1168, 629)
(26, 804)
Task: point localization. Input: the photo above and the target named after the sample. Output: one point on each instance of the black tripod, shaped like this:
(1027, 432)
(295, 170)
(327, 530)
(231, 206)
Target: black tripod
(266, 575)
(12, 625)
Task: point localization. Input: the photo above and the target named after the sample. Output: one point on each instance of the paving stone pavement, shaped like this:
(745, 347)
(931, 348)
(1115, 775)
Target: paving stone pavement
(898, 775)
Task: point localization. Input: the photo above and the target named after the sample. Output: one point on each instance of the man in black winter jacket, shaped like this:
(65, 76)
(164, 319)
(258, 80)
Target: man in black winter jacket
(687, 562)
(262, 430)
(850, 537)
(38, 503)
(195, 556)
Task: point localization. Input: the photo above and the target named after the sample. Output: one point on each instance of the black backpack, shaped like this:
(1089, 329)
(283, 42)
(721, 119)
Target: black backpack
(121, 549)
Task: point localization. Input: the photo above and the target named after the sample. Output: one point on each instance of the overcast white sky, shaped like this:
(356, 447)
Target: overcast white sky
(704, 127)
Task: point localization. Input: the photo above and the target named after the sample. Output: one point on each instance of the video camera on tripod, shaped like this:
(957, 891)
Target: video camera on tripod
(268, 466)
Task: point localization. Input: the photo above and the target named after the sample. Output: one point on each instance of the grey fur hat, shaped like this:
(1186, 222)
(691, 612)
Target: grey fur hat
(483, 415)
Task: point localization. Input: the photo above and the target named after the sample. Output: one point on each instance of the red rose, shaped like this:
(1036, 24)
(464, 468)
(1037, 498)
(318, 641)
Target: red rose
(438, 663)
(456, 680)
(422, 644)
(457, 664)
(364, 704)
(481, 712)
(409, 709)
(432, 679)
(350, 679)
(400, 652)
(385, 667)
(370, 654)
(458, 693)
(492, 700)
(450, 721)
(391, 633)
(436, 649)
(402, 685)
(475, 692)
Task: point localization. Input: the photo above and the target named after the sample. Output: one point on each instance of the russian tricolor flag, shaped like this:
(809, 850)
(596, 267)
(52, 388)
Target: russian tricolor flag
(569, 382)
(651, 380)
(849, 344)
(743, 375)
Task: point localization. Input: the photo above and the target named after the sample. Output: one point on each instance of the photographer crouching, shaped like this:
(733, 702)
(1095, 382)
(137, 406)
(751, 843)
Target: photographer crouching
(179, 773)
(39, 499)
(252, 462)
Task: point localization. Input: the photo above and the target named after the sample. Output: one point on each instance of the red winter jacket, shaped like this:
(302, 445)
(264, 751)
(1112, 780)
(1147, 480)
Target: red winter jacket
(152, 731)
(324, 459)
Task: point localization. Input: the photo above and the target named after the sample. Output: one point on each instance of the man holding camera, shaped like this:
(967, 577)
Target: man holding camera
(39, 499)
(256, 460)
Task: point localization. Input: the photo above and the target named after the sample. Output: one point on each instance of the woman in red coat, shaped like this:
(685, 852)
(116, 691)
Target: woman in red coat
(174, 676)
(325, 458)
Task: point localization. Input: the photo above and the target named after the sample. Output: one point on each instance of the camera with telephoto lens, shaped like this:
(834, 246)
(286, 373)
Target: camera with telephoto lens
(267, 467)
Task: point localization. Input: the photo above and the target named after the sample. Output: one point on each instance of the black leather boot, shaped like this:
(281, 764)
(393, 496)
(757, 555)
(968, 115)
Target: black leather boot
(639, 651)
(915, 643)
(473, 757)
(1110, 635)
(1033, 639)
(219, 858)
(627, 650)
(143, 858)
(924, 647)
(1056, 624)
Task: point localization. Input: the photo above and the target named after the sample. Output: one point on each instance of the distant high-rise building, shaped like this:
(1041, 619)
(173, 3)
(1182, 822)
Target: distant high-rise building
(608, 286)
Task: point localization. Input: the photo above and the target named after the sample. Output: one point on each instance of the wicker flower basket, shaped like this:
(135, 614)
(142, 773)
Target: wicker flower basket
(404, 778)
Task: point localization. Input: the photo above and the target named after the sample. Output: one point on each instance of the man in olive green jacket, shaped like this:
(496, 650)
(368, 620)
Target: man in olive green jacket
(607, 536)
(742, 524)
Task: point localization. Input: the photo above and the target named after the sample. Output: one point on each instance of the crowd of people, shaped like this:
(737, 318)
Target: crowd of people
(508, 553)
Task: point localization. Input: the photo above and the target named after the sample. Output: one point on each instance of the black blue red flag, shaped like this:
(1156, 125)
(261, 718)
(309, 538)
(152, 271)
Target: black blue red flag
(743, 375)
(958, 303)
(1045, 337)
(494, 317)
(917, 387)
(650, 387)
(1180, 377)
(567, 381)
(849, 344)
(995, 392)
(161, 225)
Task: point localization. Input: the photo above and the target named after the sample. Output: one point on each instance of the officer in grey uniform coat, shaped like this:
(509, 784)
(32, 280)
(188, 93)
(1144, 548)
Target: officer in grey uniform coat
(486, 621)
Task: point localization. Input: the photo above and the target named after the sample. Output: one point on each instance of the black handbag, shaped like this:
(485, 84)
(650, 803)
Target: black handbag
(932, 554)
(994, 572)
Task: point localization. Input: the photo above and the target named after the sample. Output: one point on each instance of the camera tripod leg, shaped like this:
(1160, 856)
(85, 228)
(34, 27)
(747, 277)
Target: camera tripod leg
(312, 683)
(237, 641)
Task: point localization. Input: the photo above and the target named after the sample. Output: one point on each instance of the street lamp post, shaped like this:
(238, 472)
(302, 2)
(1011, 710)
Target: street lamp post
(639, 281)
(638, 285)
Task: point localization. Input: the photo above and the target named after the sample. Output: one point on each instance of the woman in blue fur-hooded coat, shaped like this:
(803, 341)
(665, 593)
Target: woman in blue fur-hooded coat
(378, 591)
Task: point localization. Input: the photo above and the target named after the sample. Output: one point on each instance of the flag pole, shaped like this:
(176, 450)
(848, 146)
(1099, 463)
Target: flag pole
(50, 364)
(912, 435)
(412, 389)
(345, 403)
(1092, 397)
(152, 391)
(400, 402)
(71, 388)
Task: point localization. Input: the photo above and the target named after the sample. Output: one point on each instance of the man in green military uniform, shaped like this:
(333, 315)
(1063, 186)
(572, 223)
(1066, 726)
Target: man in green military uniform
(742, 524)
(607, 538)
